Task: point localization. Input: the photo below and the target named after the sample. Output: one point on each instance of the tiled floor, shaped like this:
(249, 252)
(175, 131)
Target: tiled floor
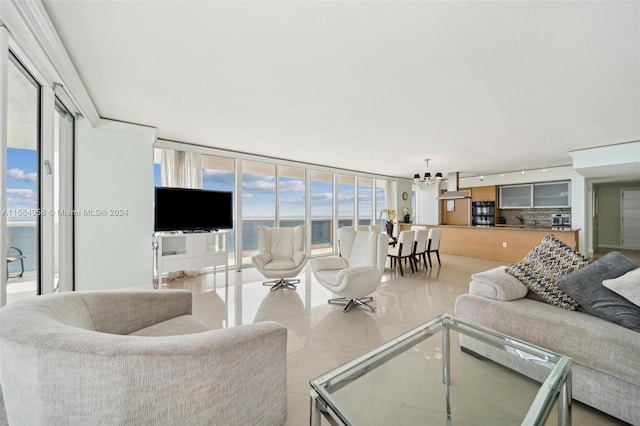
(321, 337)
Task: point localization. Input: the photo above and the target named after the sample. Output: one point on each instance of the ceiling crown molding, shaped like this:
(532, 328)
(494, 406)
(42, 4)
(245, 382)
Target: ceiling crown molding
(32, 31)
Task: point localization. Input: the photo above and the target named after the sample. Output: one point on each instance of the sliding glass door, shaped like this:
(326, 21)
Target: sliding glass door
(62, 171)
(23, 182)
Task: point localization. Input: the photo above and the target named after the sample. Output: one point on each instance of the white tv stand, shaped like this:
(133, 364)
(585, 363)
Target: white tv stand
(180, 251)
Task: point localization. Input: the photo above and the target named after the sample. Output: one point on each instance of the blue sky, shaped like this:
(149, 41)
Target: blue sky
(258, 193)
(22, 180)
(258, 190)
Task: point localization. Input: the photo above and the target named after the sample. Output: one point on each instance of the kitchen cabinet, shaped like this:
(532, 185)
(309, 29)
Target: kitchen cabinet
(516, 196)
(483, 193)
(553, 194)
(536, 195)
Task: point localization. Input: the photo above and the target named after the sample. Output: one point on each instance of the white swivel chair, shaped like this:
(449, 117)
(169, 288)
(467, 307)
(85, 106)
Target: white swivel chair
(357, 272)
(433, 244)
(362, 227)
(402, 250)
(280, 255)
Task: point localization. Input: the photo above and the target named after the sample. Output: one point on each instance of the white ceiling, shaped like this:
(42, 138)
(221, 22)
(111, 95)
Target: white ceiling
(479, 87)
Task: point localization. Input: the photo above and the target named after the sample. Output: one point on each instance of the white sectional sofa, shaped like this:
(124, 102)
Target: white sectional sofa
(606, 356)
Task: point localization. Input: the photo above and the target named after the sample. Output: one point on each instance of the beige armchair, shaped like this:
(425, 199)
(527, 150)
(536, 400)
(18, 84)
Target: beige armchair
(134, 358)
(280, 255)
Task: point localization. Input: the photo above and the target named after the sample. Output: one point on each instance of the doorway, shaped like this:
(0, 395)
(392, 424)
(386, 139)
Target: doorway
(23, 199)
(630, 219)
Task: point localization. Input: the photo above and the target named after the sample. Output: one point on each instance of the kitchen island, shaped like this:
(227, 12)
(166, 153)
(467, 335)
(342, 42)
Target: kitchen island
(502, 242)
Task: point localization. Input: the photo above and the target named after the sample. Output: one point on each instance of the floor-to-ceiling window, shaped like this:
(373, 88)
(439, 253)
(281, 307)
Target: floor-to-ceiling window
(258, 203)
(321, 212)
(365, 200)
(219, 173)
(275, 194)
(23, 177)
(380, 201)
(346, 200)
(291, 196)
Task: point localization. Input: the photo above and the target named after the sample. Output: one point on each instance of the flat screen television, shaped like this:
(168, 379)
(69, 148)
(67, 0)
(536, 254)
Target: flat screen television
(192, 210)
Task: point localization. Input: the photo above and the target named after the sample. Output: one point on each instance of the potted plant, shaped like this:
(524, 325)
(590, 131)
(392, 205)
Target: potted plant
(390, 215)
(407, 214)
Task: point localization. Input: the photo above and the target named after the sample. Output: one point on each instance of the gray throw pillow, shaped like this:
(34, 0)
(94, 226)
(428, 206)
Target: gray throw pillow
(585, 286)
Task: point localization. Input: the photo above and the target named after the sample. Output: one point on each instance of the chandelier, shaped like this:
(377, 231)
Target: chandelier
(427, 179)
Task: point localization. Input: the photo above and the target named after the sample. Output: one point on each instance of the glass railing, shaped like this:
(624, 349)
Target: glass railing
(321, 231)
(24, 236)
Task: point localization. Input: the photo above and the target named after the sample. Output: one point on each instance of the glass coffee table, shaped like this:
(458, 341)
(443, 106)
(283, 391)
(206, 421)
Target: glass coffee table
(442, 373)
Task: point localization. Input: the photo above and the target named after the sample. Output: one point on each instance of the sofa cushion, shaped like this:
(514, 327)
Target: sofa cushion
(184, 324)
(550, 260)
(627, 286)
(497, 284)
(586, 339)
(586, 287)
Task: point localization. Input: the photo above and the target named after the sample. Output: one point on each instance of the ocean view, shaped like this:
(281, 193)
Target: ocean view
(23, 236)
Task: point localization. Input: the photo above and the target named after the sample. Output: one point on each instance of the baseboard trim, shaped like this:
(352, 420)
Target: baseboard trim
(608, 246)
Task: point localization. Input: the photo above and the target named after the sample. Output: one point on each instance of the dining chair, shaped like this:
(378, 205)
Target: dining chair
(433, 244)
(402, 250)
(420, 246)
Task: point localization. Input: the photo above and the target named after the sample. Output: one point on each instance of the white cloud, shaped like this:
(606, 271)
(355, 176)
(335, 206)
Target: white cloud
(324, 196)
(17, 174)
(21, 193)
(292, 186)
(260, 185)
(225, 177)
(21, 198)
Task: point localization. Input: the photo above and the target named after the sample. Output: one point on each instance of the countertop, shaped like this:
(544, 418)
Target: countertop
(503, 226)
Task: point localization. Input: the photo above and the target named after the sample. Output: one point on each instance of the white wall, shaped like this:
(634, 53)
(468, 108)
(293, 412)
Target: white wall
(113, 171)
(403, 185)
(428, 211)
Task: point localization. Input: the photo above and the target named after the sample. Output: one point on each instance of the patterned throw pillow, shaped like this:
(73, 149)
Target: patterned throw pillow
(550, 260)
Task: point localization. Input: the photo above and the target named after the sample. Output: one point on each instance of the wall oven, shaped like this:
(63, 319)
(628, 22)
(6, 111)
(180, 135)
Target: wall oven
(561, 222)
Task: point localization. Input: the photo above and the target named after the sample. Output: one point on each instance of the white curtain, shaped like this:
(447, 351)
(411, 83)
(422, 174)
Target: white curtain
(181, 169)
(390, 194)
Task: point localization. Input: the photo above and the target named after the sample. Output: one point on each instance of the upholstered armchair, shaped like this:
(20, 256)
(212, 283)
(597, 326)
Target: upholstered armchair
(280, 255)
(134, 358)
(357, 272)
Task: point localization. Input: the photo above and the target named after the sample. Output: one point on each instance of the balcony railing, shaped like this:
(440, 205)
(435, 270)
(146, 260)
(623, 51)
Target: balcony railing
(24, 236)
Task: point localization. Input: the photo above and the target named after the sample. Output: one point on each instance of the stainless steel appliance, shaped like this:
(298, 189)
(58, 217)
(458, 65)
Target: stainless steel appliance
(483, 213)
(561, 222)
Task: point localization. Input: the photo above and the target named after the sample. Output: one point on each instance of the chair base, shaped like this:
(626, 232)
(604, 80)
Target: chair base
(282, 283)
(348, 303)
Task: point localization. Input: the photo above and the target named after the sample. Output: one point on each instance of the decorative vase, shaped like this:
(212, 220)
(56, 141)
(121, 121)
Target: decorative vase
(389, 227)
(407, 218)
